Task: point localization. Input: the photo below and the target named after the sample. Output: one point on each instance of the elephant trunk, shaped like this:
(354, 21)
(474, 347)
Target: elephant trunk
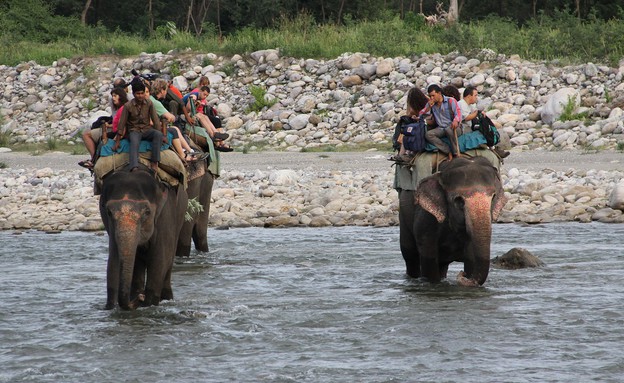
(127, 243)
(479, 227)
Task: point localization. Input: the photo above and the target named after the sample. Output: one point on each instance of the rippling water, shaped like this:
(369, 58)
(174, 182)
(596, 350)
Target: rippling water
(317, 305)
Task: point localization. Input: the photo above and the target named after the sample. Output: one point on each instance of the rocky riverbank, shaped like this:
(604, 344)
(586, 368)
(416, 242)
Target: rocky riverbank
(50, 192)
(352, 100)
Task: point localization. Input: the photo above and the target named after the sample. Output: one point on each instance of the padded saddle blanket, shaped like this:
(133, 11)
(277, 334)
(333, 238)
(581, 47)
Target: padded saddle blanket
(171, 169)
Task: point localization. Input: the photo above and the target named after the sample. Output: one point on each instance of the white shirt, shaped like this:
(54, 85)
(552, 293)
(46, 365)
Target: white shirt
(466, 109)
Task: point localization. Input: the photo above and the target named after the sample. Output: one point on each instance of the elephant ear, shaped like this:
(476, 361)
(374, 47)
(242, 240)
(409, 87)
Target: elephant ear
(499, 200)
(431, 196)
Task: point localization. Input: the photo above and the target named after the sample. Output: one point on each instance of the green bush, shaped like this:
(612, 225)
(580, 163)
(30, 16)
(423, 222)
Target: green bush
(43, 38)
(260, 99)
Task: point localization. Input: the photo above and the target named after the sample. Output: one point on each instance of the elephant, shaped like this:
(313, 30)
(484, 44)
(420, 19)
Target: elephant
(448, 218)
(142, 217)
(197, 228)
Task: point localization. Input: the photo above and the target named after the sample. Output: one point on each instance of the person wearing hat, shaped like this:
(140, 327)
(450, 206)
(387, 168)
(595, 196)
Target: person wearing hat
(135, 121)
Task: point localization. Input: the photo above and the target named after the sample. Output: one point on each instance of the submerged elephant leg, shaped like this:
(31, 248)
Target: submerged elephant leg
(406, 233)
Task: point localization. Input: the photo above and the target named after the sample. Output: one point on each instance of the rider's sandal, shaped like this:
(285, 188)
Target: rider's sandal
(87, 164)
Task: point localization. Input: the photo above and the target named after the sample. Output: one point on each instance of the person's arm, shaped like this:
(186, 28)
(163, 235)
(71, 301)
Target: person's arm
(187, 115)
(121, 127)
(465, 111)
(154, 117)
(457, 112)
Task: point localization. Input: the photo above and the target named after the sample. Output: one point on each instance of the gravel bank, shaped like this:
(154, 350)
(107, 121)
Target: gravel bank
(50, 192)
(534, 160)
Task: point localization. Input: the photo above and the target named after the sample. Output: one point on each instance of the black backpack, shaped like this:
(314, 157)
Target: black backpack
(413, 133)
(483, 124)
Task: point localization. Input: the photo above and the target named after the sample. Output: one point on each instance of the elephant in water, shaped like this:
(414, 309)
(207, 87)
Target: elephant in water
(196, 229)
(450, 220)
(143, 217)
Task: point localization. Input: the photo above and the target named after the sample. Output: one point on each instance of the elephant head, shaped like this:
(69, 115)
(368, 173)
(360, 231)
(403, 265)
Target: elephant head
(465, 197)
(130, 205)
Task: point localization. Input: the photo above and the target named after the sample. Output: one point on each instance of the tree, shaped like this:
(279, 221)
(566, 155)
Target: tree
(83, 15)
(196, 15)
(453, 13)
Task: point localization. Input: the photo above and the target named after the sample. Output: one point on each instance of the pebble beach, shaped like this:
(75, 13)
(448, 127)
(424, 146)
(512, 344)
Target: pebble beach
(49, 192)
(560, 169)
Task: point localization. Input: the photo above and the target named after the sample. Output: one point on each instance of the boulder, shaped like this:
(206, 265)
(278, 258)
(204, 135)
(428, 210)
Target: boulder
(517, 258)
(556, 103)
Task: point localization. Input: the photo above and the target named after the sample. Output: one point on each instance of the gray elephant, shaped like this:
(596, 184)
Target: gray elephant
(450, 219)
(143, 218)
(200, 187)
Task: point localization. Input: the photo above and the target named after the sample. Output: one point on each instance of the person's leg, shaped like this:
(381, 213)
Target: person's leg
(135, 141)
(452, 137)
(204, 121)
(183, 142)
(156, 137)
(433, 136)
(91, 138)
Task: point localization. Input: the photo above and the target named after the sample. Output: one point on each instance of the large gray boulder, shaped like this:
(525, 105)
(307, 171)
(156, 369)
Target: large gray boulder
(556, 103)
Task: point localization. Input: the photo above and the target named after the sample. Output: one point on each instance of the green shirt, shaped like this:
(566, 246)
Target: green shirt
(160, 108)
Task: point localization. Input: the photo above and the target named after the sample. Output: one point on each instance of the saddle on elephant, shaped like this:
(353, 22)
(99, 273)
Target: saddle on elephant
(171, 169)
(424, 164)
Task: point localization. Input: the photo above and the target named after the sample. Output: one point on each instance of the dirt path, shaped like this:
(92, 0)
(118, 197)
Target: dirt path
(347, 161)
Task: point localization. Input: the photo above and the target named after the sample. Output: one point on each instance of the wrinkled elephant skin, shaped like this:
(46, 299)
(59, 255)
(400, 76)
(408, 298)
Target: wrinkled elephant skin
(197, 228)
(142, 217)
(450, 220)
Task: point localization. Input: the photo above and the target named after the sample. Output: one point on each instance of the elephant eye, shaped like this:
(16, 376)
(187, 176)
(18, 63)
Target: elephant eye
(146, 212)
(458, 202)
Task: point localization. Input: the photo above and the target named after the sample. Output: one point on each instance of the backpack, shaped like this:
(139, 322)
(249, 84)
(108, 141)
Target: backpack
(483, 124)
(212, 115)
(413, 133)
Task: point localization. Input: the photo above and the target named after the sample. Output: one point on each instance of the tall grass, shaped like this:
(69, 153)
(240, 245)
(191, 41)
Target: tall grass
(542, 38)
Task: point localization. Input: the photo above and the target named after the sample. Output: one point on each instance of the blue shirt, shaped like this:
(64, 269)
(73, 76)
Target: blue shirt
(445, 113)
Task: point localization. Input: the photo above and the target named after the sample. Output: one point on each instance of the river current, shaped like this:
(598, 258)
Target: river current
(317, 305)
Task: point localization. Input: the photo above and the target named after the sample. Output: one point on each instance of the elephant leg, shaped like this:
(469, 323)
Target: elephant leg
(444, 270)
(112, 275)
(200, 229)
(167, 291)
(426, 233)
(200, 237)
(406, 234)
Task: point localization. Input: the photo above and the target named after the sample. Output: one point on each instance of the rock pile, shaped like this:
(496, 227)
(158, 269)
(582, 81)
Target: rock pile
(352, 100)
(63, 200)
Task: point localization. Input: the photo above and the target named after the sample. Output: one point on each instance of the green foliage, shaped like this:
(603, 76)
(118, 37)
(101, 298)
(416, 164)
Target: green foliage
(206, 61)
(608, 97)
(33, 20)
(3, 165)
(228, 68)
(260, 99)
(620, 146)
(52, 143)
(568, 111)
(5, 137)
(166, 31)
(90, 104)
(175, 69)
(554, 35)
(193, 208)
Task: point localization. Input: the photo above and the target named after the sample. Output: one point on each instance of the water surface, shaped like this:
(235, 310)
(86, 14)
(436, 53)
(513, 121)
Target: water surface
(317, 305)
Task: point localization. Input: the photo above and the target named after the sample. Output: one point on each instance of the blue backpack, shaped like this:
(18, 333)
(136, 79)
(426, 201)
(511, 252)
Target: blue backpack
(414, 133)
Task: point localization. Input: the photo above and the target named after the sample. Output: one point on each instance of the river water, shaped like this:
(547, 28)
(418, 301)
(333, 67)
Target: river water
(317, 305)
